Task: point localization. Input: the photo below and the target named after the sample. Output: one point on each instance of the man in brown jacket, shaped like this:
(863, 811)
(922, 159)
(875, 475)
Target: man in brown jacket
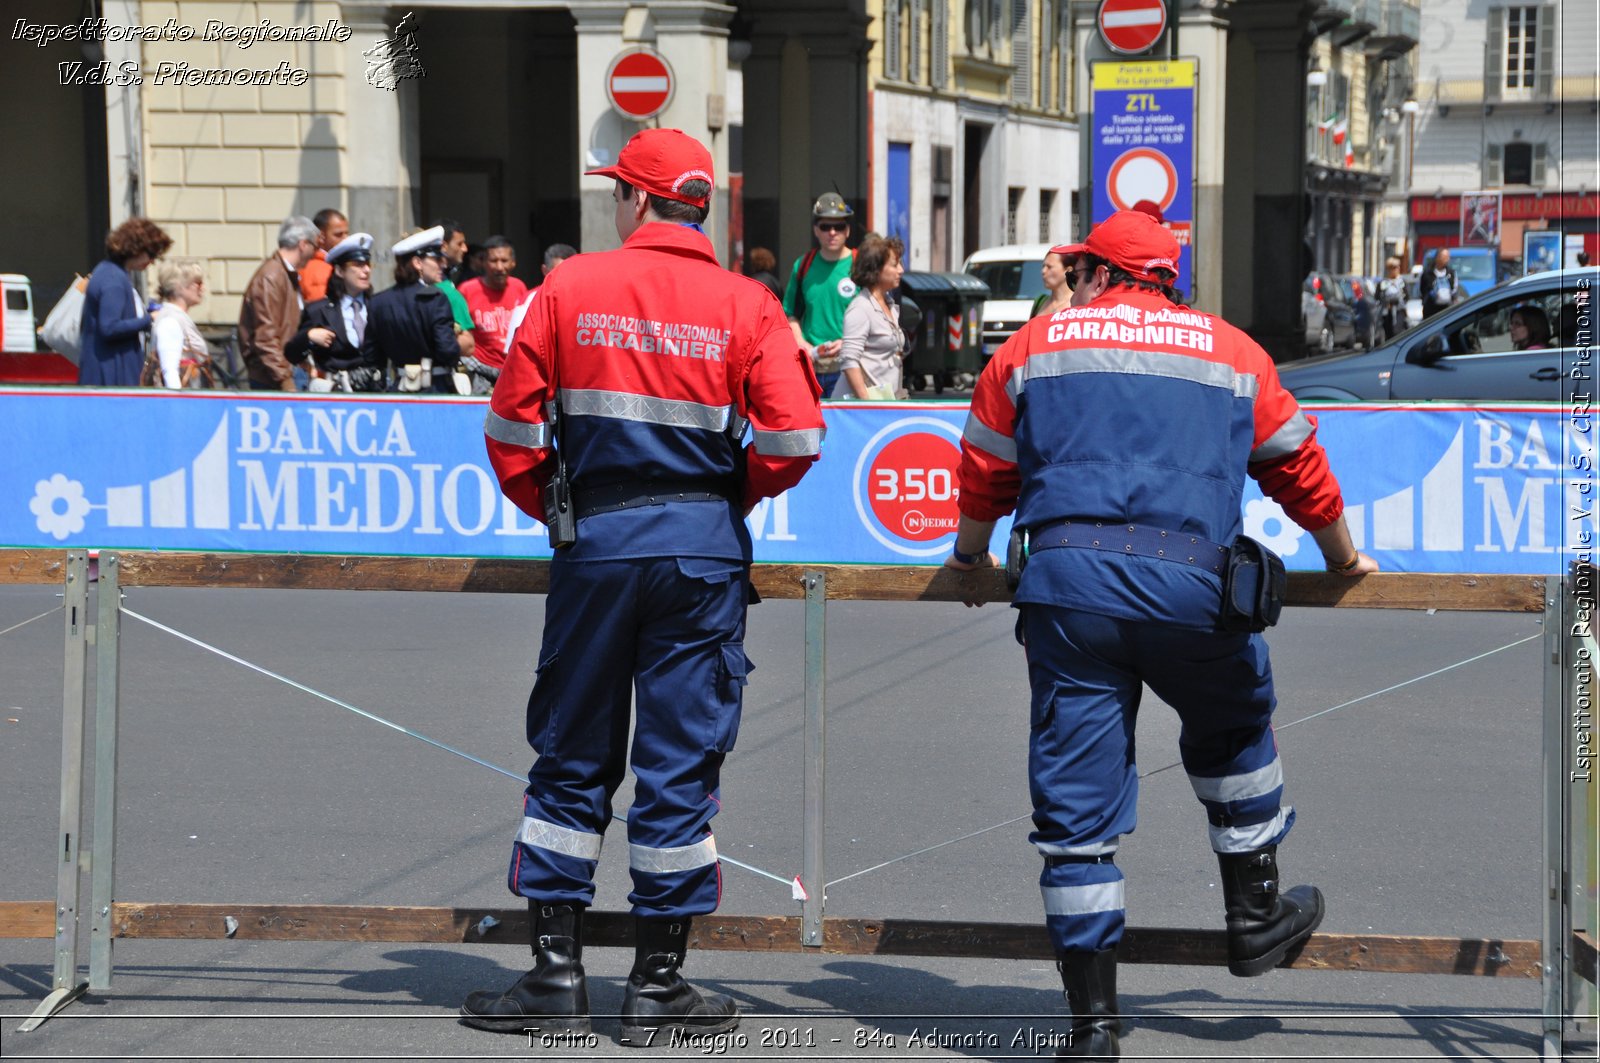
(270, 313)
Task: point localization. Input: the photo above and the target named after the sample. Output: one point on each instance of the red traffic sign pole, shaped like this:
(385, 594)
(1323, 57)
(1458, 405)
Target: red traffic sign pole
(639, 84)
(1131, 27)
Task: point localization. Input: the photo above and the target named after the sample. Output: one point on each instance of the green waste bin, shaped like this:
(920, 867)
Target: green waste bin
(949, 339)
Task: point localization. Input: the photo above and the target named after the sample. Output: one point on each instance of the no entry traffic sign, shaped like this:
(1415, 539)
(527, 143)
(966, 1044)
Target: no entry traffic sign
(1132, 26)
(639, 84)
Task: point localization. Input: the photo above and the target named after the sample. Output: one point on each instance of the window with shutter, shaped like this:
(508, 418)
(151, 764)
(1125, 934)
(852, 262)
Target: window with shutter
(940, 32)
(1063, 57)
(914, 43)
(1492, 169)
(1021, 54)
(1045, 67)
(1494, 53)
(891, 39)
(1544, 64)
(1516, 163)
(1539, 155)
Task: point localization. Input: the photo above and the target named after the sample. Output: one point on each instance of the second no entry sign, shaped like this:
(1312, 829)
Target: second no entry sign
(639, 84)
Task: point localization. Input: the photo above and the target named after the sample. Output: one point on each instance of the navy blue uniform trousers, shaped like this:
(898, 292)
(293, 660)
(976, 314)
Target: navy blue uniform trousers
(668, 632)
(1087, 673)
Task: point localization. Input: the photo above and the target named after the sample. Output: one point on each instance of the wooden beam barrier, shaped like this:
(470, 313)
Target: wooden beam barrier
(884, 583)
(1485, 957)
(1584, 955)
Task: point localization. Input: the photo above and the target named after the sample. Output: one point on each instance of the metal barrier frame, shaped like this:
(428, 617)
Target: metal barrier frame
(1563, 959)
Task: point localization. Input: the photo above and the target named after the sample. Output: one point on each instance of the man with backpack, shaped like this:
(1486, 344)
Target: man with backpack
(1439, 286)
(820, 288)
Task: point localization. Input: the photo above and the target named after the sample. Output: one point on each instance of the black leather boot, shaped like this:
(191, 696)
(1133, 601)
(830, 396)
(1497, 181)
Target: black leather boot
(1090, 979)
(1264, 925)
(658, 1000)
(554, 994)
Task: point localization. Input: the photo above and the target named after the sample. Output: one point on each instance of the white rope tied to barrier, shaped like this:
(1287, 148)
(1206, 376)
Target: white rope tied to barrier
(1177, 764)
(31, 619)
(363, 713)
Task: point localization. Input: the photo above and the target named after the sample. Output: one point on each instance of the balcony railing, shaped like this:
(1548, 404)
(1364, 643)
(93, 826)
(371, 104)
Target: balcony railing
(1399, 29)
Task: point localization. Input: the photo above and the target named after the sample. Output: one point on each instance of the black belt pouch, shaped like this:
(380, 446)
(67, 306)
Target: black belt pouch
(1253, 587)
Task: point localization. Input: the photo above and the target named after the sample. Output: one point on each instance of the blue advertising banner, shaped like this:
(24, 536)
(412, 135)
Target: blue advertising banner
(1427, 488)
(1143, 145)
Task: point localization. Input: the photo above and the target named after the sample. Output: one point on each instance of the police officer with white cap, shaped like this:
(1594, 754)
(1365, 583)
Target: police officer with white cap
(411, 328)
(334, 329)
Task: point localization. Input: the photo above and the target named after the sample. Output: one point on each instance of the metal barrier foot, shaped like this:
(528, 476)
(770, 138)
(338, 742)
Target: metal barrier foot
(58, 999)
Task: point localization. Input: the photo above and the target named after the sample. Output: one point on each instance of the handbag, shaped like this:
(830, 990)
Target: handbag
(64, 323)
(1254, 585)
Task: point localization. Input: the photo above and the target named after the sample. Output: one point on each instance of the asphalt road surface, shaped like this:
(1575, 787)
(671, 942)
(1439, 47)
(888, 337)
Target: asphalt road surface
(1417, 786)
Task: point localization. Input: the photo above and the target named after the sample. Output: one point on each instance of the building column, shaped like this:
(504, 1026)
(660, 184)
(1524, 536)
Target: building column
(692, 35)
(1264, 197)
(1202, 35)
(806, 125)
(382, 156)
(601, 131)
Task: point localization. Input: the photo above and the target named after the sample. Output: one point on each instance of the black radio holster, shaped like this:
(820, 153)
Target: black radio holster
(1254, 585)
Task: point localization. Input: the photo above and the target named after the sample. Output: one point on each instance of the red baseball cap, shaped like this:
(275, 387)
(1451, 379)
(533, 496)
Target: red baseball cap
(662, 161)
(1132, 241)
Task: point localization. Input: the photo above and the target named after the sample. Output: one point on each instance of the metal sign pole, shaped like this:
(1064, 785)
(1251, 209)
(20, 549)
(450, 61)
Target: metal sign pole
(1557, 695)
(814, 875)
(102, 853)
(73, 709)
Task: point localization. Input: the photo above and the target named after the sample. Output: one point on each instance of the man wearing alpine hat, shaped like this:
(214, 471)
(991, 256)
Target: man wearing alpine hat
(1120, 431)
(633, 378)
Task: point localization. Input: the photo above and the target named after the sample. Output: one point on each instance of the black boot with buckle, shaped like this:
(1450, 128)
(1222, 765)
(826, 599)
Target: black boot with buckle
(658, 1000)
(554, 994)
(1264, 925)
(1090, 981)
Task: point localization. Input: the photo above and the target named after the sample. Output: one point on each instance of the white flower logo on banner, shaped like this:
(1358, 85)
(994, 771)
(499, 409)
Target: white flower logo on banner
(59, 506)
(1284, 538)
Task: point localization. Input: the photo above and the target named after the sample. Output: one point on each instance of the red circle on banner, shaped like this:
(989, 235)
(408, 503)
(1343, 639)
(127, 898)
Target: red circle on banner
(639, 84)
(912, 486)
(1132, 26)
(1142, 173)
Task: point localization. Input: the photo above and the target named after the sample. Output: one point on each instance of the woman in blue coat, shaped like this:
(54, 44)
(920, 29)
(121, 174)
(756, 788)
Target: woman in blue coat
(111, 341)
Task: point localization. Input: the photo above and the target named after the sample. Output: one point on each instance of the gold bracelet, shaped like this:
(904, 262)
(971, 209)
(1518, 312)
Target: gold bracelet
(1348, 565)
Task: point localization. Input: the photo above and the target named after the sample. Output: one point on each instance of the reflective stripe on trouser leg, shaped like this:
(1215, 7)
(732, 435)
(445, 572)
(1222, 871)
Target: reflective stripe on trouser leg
(1081, 769)
(1083, 904)
(578, 716)
(691, 675)
(1221, 687)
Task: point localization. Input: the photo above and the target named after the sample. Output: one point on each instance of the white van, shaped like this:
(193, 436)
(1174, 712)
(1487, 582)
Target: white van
(1012, 274)
(16, 319)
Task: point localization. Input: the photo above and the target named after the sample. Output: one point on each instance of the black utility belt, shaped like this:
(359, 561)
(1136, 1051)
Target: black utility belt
(611, 498)
(1254, 581)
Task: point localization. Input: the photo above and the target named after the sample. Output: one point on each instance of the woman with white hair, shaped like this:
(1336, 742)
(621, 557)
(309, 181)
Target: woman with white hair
(181, 358)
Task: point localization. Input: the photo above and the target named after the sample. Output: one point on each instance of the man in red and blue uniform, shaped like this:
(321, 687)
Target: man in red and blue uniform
(1120, 431)
(642, 368)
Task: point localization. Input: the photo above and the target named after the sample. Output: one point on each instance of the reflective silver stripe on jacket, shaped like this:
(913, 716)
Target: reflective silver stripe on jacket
(988, 440)
(516, 433)
(1089, 849)
(1138, 363)
(1083, 900)
(1239, 787)
(675, 413)
(1249, 838)
(542, 835)
(794, 443)
(664, 861)
(1286, 440)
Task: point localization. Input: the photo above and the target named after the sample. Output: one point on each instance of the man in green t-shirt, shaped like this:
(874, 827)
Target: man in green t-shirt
(455, 250)
(820, 288)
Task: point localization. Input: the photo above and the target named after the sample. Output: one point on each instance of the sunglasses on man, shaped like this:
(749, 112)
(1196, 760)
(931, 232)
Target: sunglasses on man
(833, 226)
(1076, 274)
